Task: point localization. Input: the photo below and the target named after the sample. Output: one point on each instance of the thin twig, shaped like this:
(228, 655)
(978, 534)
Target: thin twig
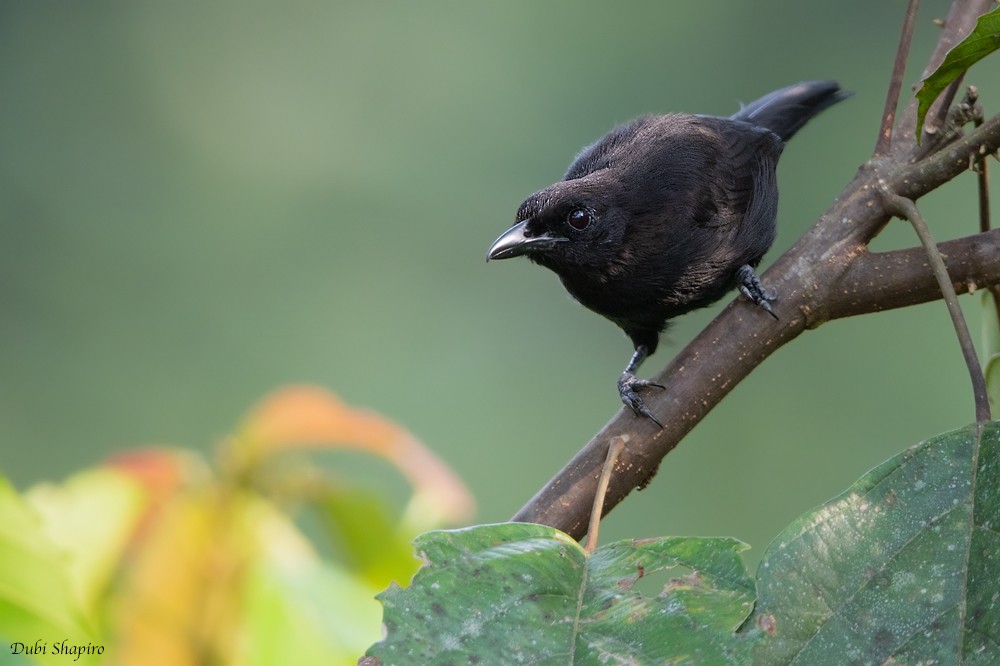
(947, 97)
(982, 173)
(905, 208)
(884, 142)
(617, 444)
(983, 180)
(983, 184)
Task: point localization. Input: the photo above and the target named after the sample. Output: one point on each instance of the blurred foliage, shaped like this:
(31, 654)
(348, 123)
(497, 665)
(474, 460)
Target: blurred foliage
(199, 202)
(990, 347)
(36, 594)
(157, 558)
(202, 201)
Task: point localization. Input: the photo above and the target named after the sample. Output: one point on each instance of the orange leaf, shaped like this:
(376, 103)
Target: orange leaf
(161, 473)
(311, 418)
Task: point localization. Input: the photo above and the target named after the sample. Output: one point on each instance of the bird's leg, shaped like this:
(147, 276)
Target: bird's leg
(750, 286)
(627, 385)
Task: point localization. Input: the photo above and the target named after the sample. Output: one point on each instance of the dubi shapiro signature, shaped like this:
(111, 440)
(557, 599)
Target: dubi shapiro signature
(63, 647)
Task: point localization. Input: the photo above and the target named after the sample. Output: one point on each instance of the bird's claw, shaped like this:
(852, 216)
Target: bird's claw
(751, 287)
(627, 390)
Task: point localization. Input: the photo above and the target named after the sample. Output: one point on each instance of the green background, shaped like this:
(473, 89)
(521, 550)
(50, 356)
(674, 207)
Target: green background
(200, 202)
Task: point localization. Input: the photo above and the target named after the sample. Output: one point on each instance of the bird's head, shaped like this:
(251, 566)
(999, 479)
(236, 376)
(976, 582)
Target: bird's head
(568, 225)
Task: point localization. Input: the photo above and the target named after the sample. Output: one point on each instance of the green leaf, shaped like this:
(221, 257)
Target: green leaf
(521, 593)
(37, 604)
(903, 568)
(93, 547)
(298, 609)
(982, 41)
(365, 535)
(992, 372)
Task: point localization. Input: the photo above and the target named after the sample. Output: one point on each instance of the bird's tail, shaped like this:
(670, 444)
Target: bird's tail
(785, 111)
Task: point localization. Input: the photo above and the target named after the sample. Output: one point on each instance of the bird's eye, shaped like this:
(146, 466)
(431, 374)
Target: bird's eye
(579, 219)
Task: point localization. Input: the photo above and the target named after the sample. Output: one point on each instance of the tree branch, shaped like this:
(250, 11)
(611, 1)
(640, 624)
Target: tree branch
(960, 21)
(829, 273)
(884, 142)
(880, 281)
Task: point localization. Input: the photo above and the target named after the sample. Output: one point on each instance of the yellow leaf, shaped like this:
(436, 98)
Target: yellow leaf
(180, 603)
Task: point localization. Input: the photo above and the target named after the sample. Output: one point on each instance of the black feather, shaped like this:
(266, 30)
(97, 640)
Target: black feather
(666, 214)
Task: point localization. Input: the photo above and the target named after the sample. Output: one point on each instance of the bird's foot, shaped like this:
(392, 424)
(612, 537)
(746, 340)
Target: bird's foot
(628, 387)
(751, 287)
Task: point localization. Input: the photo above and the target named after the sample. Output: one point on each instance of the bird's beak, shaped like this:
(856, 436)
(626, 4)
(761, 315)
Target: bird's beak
(514, 242)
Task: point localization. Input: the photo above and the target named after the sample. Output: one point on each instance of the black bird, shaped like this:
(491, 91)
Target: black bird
(665, 214)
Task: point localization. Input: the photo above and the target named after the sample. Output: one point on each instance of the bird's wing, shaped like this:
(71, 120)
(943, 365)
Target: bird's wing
(743, 189)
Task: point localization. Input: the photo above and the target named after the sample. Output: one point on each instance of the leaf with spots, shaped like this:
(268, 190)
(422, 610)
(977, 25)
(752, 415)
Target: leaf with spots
(903, 568)
(521, 593)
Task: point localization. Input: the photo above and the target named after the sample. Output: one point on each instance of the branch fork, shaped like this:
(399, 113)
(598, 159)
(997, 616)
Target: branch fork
(829, 273)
